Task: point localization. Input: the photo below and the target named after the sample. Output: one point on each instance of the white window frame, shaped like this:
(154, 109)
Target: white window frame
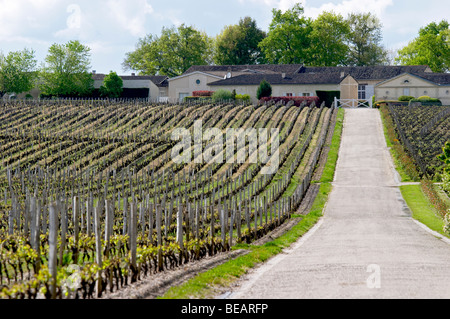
(362, 91)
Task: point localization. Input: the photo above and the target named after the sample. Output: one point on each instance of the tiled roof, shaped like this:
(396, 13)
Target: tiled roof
(302, 78)
(158, 80)
(369, 72)
(438, 78)
(256, 68)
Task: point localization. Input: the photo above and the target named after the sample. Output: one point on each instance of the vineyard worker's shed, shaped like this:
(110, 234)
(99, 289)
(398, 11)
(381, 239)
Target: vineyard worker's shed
(435, 85)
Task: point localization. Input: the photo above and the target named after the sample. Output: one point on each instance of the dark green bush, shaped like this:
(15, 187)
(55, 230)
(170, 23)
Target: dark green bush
(264, 90)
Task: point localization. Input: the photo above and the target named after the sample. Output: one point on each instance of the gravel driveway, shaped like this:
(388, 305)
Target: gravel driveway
(366, 245)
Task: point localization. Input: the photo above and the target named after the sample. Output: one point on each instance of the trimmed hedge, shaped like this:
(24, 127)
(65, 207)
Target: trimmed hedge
(202, 93)
(405, 98)
(426, 101)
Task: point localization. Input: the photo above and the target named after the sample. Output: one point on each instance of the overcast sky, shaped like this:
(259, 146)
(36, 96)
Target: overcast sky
(113, 27)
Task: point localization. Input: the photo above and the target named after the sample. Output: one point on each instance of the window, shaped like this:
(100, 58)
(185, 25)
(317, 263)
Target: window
(406, 91)
(198, 82)
(289, 94)
(306, 94)
(362, 91)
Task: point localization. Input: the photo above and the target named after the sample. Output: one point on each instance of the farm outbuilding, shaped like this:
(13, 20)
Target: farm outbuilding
(353, 82)
(435, 85)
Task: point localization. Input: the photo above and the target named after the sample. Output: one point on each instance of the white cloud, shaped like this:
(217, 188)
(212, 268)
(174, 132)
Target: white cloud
(131, 15)
(21, 16)
(377, 7)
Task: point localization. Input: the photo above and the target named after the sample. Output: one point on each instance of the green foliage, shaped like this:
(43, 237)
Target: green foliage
(445, 157)
(426, 100)
(243, 97)
(112, 86)
(328, 40)
(222, 95)
(172, 53)
(238, 44)
(264, 90)
(18, 71)
(288, 40)
(431, 47)
(365, 40)
(405, 98)
(66, 72)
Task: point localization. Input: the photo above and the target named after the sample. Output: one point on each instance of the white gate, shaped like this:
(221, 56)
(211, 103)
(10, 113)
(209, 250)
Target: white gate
(352, 103)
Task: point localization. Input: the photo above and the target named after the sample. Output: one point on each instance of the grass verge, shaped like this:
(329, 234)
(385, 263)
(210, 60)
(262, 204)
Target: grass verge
(207, 284)
(330, 166)
(422, 204)
(421, 208)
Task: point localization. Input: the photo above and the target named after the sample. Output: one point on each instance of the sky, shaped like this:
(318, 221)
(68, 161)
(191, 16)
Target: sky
(111, 28)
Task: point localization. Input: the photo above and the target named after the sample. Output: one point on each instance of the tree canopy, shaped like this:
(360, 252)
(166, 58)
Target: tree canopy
(18, 71)
(66, 71)
(171, 53)
(431, 47)
(329, 34)
(238, 44)
(364, 40)
(112, 86)
(288, 40)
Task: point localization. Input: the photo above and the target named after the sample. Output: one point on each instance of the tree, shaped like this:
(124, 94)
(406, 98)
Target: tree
(328, 40)
(18, 71)
(112, 85)
(431, 47)
(264, 90)
(288, 40)
(66, 72)
(364, 40)
(238, 44)
(171, 54)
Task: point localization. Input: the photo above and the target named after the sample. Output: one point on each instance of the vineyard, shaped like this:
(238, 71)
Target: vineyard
(423, 130)
(92, 201)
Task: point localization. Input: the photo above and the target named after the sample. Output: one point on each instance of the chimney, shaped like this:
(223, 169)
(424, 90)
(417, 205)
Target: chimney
(342, 74)
(94, 72)
(283, 75)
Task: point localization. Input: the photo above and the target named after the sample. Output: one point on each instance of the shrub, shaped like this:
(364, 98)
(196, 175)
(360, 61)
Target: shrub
(426, 101)
(202, 93)
(222, 95)
(112, 86)
(243, 97)
(405, 98)
(264, 90)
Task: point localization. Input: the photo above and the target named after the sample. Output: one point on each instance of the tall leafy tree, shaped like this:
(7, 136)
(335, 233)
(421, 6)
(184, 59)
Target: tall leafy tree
(288, 40)
(238, 44)
(172, 53)
(328, 40)
(431, 47)
(18, 71)
(364, 40)
(66, 71)
(112, 85)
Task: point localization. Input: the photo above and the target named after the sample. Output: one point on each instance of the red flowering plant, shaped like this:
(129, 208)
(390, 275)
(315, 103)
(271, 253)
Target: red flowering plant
(202, 93)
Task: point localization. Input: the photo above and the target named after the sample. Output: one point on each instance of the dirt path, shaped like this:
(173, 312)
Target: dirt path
(367, 245)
